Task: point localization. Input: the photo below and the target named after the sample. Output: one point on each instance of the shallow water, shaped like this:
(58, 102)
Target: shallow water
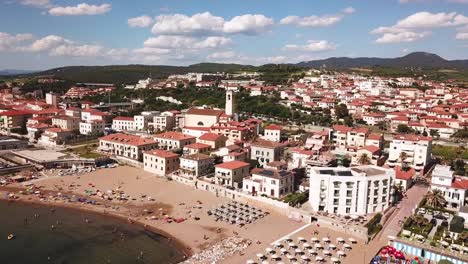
(71, 240)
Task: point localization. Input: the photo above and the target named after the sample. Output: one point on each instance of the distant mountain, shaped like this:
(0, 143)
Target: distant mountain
(14, 72)
(415, 59)
(133, 73)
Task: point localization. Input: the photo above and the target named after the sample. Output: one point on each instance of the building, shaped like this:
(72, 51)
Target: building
(272, 133)
(196, 165)
(160, 162)
(410, 150)
(231, 173)
(196, 148)
(55, 136)
(230, 103)
(199, 117)
(373, 119)
(66, 122)
(14, 119)
(269, 182)
(454, 188)
(126, 146)
(52, 99)
(12, 143)
(94, 127)
(266, 151)
(215, 141)
(123, 123)
(358, 190)
(173, 140)
(142, 121)
(164, 122)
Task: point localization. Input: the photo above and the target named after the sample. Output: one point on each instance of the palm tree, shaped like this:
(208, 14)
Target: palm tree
(435, 199)
(364, 159)
(403, 157)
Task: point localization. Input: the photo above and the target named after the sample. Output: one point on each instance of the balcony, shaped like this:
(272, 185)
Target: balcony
(323, 187)
(323, 196)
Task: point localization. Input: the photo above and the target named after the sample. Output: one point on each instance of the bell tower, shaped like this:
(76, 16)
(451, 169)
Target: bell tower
(230, 103)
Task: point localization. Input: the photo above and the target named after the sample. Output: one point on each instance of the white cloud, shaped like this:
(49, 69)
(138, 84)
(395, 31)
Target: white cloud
(208, 24)
(462, 36)
(77, 51)
(312, 46)
(248, 24)
(416, 26)
(184, 42)
(349, 10)
(312, 21)
(222, 55)
(47, 43)
(80, 9)
(151, 51)
(37, 3)
(402, 37)
(117, 54)
(141, 21)
(9, 42)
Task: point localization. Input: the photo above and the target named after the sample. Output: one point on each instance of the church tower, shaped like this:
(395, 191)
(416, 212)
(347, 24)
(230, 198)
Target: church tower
(230, 104)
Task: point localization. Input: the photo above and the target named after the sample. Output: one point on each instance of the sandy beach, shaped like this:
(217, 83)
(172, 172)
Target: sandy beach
(167, 198)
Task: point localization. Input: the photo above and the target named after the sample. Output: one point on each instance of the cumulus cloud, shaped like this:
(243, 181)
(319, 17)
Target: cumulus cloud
(77, 50)
(402, 37)
(208, 24)
(80, 10)
(222, 55)
(416, 26)
(184, 42)
(312, 46)
(47, 43)
(248, 24)
(311, 21)
(141, 21)
(8, 41)
(37, 3)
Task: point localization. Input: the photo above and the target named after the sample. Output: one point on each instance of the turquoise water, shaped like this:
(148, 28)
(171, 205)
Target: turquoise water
(72, 239)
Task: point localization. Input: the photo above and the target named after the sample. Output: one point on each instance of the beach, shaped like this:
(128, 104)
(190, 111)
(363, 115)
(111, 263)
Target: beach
(167, 198)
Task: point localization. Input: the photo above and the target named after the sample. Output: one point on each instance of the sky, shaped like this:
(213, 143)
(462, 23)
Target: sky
(43, 34)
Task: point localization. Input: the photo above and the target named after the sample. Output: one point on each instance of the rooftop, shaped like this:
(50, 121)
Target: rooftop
(173, 135)
(162, 153)
(128, 139)
(232, 165)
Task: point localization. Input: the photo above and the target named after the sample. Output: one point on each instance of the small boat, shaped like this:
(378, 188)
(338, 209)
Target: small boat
(11, 237)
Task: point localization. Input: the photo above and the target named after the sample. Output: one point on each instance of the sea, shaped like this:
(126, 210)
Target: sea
(46, 235)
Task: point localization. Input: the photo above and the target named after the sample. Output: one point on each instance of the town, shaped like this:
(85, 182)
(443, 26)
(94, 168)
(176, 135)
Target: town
(334, 167)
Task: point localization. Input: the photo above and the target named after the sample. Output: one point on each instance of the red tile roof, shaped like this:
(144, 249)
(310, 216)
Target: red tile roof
(173, 135)
(197, 146)
(460, 183)
(123, 118)
(274, 127)
(162, 153)
(412, 138)
(128, 139)
(17, 113)
(207, 112)
(210, 137)
(375, 137)
(232, 165)
(342, 129)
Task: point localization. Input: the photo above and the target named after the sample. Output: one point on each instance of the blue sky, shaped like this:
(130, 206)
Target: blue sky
(41, 34)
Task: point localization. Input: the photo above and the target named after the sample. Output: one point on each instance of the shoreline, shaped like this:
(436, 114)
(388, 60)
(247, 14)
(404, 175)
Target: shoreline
(185, 250)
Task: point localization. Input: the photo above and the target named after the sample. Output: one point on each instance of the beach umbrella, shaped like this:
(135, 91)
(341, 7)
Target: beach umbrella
(307, 245)
(317, 246)
(265, 262)
(312, 252)
(301, 239)
(340, 239)
(341, 253)
(326, 253)
(269, 250)
(319, 258)
(260, 256)
(298, 250)
(334, 260)
(278, 244)
(274, 257)
(444, 243)
(283, 251)
(314, 239)
(291, 244)
(290, 257)
(326, 239)
(304, 257)
(288, 239)
(332, 246)
(250, 261)
(347, 246)
(352, 240)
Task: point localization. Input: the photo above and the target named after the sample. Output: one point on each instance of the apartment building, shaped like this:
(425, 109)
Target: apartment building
(269, 182)
(66, 122)
(231, 173)
(454, 188)
(160, 162)
(173, 140)
(411, 150)
(126, 146)
(266, 151)
(196, 165)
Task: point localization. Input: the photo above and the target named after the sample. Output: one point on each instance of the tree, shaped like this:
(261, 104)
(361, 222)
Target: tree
(403, 128)
(382, 125)
(348, 121)
(435, 199)
(403, 157)
(434, 133)
(364, 159)
(425, 133)
(341, 111)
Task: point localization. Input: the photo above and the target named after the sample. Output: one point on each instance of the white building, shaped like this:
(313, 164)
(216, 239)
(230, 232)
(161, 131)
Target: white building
(173, 140)
(52, 99)
(142, 121)
(160, 162)
(454, 188)
(266, 151)
(95, 127)
(231, 173)
(358, 190)
(272, 133)
(269, 182)
(196, 165)
(417, 151)
(164, 122)
(123, 123)
(127, 146)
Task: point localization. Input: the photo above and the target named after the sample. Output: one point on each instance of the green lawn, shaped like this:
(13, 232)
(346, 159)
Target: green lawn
(86, 152)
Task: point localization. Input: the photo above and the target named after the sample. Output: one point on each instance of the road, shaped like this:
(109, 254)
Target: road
(392, 226)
